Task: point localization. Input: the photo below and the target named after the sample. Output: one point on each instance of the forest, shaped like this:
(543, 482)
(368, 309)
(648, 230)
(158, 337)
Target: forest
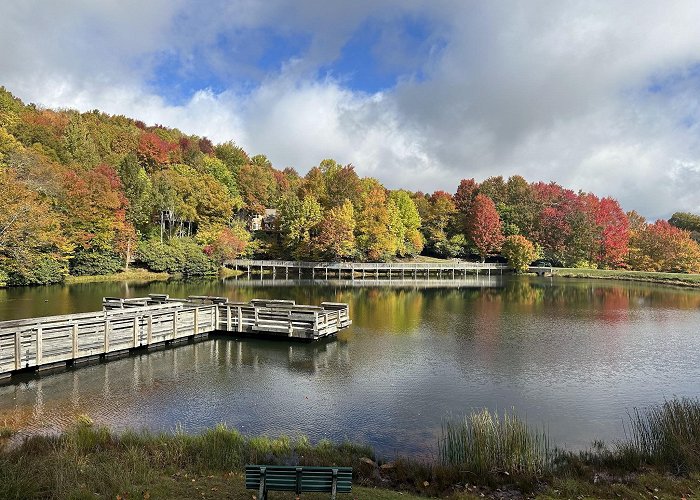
(91, 193)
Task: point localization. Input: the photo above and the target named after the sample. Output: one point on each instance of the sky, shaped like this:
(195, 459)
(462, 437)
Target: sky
(601, 96)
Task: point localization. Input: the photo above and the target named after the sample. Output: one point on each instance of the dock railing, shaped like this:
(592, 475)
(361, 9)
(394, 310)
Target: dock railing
(126, 324)
(367, 266)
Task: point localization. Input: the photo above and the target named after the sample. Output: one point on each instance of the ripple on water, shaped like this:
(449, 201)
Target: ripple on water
(573, 356)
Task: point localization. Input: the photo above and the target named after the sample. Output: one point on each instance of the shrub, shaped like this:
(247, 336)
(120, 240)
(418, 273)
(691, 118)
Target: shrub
(94, 263)
(180, 255)
(43, 270)
(159, 257)
(194, 261)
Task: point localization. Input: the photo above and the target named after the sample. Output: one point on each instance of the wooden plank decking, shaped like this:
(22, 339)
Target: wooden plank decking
(127, 324)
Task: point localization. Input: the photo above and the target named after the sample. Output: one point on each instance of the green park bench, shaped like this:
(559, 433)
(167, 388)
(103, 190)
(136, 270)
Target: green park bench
(299, 479)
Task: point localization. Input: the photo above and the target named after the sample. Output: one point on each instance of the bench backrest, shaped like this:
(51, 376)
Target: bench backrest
(299, 478)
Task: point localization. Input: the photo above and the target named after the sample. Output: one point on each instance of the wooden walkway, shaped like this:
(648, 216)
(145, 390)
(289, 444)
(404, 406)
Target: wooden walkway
(127, 324)
(456, 269)
(363, 270)
(483, 281)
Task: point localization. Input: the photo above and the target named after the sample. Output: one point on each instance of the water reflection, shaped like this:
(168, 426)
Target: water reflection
(573, 354)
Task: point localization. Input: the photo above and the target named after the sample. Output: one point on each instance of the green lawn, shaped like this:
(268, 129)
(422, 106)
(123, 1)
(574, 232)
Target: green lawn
(680, 279)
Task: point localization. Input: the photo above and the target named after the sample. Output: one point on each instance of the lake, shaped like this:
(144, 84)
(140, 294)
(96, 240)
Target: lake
(572, 355)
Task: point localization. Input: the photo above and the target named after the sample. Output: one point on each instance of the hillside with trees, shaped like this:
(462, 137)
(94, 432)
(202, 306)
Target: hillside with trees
(91, 193)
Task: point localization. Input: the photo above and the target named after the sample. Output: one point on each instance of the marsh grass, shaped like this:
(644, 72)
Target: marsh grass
(485, 444)
(665, 435)
(495, 452)
(88, 460)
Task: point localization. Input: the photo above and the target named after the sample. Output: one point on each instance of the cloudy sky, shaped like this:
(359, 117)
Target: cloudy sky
(600, 96)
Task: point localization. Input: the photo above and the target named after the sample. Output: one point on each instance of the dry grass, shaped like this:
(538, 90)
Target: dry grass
(130, 275)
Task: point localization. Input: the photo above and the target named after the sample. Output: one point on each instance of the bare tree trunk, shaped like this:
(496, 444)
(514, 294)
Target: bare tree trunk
(128, 255)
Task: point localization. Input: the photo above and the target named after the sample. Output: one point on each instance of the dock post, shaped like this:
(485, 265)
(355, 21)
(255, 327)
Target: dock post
(39, 345)
(286, 272)
(326, 274)
(18, 350)
(196, 320)
(149, 330)
(228, 318)
(135, 338)
(313, 272)
(240, 319)
(106, 342)
(174, 324)
(217, 317)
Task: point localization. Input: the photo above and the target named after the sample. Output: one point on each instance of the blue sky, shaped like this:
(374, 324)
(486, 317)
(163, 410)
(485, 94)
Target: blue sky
(372, 58)
(600, 96)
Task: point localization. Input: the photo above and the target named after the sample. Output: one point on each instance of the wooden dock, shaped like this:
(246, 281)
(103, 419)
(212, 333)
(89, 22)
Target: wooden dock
(148, 322)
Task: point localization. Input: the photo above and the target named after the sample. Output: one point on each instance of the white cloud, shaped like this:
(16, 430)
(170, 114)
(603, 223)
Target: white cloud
(552, 90)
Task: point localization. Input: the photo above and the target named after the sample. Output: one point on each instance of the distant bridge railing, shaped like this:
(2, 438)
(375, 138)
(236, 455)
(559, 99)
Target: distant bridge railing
(367, 266)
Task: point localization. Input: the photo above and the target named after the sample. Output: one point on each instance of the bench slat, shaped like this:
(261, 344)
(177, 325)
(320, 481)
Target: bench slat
(312, 478)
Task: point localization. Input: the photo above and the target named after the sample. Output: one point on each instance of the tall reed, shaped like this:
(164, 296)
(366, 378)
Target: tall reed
(484, 443)
(666, 434)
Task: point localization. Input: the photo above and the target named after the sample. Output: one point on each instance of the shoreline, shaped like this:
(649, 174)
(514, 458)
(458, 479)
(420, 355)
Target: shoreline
(142, 275)
(671, 279)
(210, 464)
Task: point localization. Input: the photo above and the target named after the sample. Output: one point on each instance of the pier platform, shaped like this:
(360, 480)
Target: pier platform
(125, 324)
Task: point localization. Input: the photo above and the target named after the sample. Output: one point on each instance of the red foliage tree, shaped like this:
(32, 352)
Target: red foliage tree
(484, 226)
(206, 146)
(153, 152)
(553, 227)
(97, 206)
(466, 192)
(229, 244)
(614, 235)
(663, 247)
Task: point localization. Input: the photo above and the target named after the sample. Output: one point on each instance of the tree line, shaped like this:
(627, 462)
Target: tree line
(86, 193)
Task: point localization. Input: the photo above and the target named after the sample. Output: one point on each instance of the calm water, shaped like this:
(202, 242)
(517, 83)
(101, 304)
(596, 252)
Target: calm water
(574, 355)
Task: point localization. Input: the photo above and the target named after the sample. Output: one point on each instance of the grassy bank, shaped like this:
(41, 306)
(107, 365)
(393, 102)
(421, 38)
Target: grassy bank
(91, 462)
(678, 279)
(481, 455)
(130, 275)
(142, 275)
